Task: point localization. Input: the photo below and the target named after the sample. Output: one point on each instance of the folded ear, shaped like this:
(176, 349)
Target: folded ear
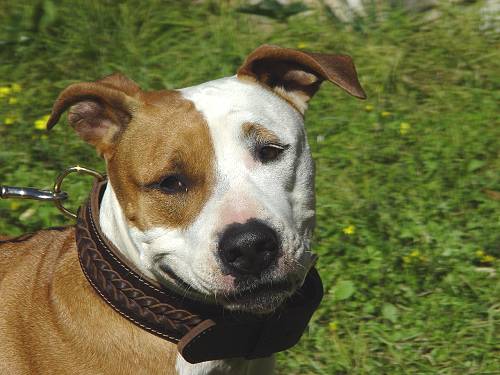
(297, 75)
(99, 110)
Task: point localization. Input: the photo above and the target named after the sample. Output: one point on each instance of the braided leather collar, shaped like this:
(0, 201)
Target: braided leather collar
(202, 332)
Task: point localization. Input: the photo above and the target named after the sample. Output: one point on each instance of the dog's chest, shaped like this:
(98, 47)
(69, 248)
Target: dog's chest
(261, 366)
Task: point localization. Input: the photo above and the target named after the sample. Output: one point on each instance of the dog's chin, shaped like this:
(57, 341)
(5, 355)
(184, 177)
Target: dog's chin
(257, 297)
(259, 304)
(251, 297)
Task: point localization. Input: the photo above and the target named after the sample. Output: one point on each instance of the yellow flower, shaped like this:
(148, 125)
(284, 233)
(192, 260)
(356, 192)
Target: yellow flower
(12, 100)
(385, 114)
(414, 257)
(368, 108)
(487, 259)
(404, 128)
(4, 91)
(8, 120)
(41, 123)
(333, 326)
(484, 257)
(349, 230)
(302, 45)
(415, 253)
(14, 205)
(16, 87)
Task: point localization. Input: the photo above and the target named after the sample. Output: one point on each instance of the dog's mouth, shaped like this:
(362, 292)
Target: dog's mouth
(256, 296)
(276, 287)
(179, 283)
(261, 298)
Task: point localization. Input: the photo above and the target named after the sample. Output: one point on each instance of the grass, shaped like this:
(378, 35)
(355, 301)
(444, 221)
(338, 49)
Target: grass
(408, 182)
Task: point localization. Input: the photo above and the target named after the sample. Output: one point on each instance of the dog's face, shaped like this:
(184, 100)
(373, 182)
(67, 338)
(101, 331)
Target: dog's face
(215, 181)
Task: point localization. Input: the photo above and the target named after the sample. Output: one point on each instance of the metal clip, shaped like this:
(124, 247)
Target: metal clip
(31, 193)
(56, 195)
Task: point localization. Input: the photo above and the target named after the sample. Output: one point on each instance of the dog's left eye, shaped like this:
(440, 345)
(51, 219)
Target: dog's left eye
(173, 184)
(269, 152)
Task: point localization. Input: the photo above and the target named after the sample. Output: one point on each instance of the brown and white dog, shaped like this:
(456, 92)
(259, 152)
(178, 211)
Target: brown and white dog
(199, 179)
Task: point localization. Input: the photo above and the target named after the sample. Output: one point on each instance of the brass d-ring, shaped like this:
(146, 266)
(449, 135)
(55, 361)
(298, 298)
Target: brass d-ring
(60, 179)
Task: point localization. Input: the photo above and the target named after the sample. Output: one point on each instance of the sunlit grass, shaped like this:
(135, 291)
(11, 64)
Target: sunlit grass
(408, 224)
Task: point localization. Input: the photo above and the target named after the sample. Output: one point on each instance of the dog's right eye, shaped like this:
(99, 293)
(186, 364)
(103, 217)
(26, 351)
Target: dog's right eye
(269, 152)
(173, 184)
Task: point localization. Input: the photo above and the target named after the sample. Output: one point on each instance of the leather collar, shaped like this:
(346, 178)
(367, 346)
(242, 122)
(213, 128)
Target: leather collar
(202, 332)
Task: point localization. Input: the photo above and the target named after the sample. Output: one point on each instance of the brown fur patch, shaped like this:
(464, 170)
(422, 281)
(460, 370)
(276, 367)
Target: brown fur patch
(144, 137)
(100, 110)
(259, 133)
(297, 75)
(166, 136)
(272, 65)
(53, 322)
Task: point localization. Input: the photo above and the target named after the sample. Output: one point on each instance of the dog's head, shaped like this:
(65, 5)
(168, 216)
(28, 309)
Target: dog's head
(215, 182)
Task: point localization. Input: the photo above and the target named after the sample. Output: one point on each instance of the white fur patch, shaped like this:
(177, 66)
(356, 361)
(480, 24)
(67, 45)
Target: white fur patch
(261, 366)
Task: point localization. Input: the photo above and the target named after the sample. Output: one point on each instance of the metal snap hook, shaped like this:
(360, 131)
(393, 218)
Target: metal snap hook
(56, 195)
(31, 193)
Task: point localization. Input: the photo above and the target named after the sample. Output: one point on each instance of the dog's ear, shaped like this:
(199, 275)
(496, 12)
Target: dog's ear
(297, 75)
(99, 110)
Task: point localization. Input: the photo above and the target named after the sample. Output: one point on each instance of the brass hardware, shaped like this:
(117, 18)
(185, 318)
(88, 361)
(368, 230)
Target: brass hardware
(60, 179)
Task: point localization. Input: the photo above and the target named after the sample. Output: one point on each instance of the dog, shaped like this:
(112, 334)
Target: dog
(210, 194)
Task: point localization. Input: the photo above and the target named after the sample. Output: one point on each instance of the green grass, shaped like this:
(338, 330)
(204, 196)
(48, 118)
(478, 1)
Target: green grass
(408, 292)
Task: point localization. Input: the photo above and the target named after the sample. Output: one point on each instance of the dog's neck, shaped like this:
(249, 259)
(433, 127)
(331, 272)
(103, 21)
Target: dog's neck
(116, 229)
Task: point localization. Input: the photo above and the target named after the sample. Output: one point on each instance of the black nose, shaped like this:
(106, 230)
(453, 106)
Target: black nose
(249, 248)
